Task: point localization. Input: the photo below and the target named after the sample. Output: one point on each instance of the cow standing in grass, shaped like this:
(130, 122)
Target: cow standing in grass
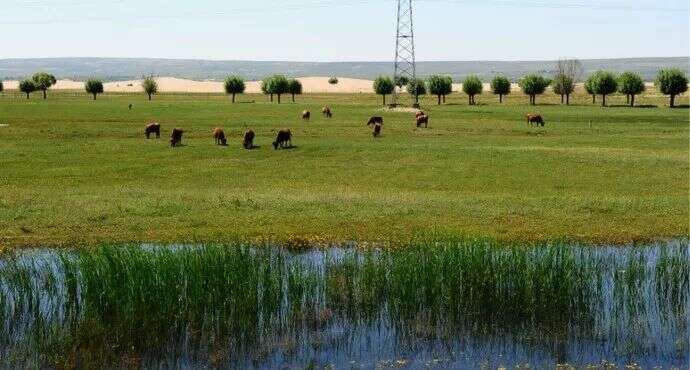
(153, 128)
(219, 136)
(248, 141)
(377, 123)
(306, 115)
(176, 137)
(422, 119)
(535, 119)
(283, 139)
(326, 111)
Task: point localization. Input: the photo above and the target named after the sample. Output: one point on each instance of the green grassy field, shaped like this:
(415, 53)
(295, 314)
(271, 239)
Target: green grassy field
(78, 172)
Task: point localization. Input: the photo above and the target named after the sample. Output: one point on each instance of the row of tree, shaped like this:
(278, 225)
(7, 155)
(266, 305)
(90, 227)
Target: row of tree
(672, 82)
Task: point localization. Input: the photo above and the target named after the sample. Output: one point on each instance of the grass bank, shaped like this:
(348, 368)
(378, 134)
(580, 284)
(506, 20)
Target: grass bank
(79, 172)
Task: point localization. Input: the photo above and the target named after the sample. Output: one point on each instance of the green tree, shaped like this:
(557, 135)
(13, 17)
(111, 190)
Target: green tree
(278, 85)
(564, 86)
(605, 83)
(500, 86)
(472, 86)
(333, 80)
(533, 85)
(630, 84)
(266, 87)
(150, 86)
(294, 88)
(383, 86)
(2, 87)
(401, 81)
(234, 85)
(43, 81)
(672, 82)
(93, 87)
(27, 87)
(416, 88)
(440, 86)
(591, 90)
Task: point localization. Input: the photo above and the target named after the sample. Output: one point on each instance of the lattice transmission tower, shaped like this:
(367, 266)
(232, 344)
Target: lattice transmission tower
(404, 49)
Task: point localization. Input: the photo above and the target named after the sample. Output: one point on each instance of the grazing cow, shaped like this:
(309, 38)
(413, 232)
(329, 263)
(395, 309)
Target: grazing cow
(248, 142)
(533, 119)
(306, 115)
(153, 128)
(419, 113)
(375, 120)
(284, 139)
(176, 137)
(326, 111)
(377, 129)
(423, 120)
(219, 136)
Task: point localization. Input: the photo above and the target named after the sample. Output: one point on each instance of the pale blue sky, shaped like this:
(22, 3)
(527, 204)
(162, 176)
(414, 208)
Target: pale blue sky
(343, 30)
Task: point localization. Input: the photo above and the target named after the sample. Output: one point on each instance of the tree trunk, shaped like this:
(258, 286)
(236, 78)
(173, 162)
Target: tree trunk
(469, 99)
(444, 99)
(149, 96)
(627, 98)
(561, 98)
(271, 98)
(384, 99)
(567, 99)
(27, 95)
(293, 98)
(279, 98)
(439, 100)
(94, 96)
(233, 98)
(632, 100)
(500, 98)
(673, 100)
(603, 100)
(594, 99)
(45, 96)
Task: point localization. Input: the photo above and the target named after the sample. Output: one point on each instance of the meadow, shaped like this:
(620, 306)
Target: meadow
(77, 172)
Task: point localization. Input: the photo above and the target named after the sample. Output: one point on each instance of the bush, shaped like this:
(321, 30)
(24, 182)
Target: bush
(672, 82)
(500, 86)
(472, 86)
(93, 87)
(333, 80)
(534, 85)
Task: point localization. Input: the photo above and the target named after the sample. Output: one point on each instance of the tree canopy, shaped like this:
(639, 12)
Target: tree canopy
(604, 83)
(563, 85)
(279, 85)
(630, 84)
(416, 87)
(500, 86)
(294, 88)
(27, 87)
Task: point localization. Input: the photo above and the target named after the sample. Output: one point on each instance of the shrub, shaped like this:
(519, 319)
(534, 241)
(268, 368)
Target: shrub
(333, 80)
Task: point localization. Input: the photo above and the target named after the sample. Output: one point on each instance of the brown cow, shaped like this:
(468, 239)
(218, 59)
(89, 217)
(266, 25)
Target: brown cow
(419, 113)
(153, 128)
(176, 137)
(306, 115)
(326, 111)
(533, 119)
(248, 142)
(423, 120)
(377, 129)
(219, 136)
(375, 120)
(284, 139)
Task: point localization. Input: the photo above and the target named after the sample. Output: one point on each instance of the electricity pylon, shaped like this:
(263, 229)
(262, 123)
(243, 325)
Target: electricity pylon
(404, 49)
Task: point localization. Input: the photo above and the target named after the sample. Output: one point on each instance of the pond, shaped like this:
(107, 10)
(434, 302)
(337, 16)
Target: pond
(469, 304)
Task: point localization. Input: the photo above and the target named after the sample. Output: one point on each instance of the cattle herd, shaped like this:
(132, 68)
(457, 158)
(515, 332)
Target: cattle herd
(284, 137)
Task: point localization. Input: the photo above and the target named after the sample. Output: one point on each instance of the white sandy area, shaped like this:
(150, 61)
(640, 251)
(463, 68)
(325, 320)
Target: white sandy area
(173, 84)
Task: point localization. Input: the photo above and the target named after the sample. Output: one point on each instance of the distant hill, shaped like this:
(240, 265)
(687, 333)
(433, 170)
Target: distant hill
(116, 69)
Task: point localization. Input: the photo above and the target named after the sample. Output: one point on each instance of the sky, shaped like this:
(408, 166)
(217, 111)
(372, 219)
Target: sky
(343, 30)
